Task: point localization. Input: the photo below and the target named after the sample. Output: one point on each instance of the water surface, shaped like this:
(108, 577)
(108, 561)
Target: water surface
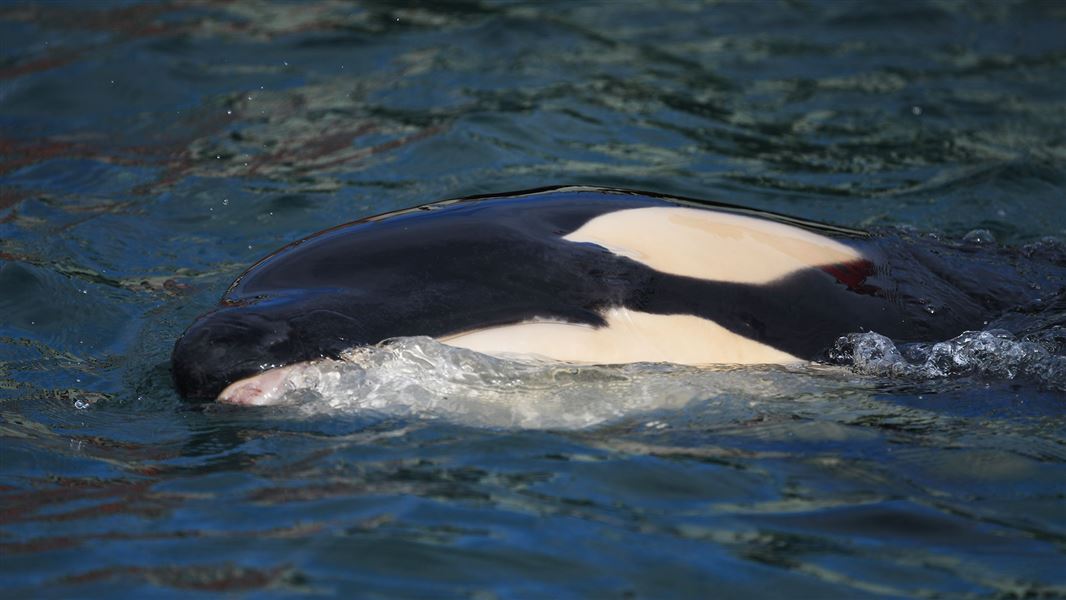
(149, 152)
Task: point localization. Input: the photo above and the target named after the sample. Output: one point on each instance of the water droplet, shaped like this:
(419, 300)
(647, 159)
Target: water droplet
(225, 202)
(916, 110)
(229, 112)
(285, 62)
(979, 236)
(81, 404)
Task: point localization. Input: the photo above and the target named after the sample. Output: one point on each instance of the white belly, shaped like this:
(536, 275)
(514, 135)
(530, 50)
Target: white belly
(629, 336)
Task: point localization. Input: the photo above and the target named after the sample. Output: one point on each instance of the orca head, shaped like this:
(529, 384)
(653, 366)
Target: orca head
(245, 337)
(226, 345)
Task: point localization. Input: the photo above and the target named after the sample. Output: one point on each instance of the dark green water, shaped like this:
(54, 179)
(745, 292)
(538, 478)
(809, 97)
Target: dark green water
(149, 152)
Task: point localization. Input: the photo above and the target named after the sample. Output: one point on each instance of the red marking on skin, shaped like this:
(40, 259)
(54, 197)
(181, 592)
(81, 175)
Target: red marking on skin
(853, 275)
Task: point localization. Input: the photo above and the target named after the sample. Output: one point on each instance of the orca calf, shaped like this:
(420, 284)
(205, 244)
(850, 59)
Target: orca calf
(581, 274)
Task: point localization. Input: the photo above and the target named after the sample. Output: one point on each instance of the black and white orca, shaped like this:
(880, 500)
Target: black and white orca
(579, 274)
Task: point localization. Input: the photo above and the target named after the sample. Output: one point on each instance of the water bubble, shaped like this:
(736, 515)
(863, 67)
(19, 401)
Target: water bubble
(979, 236)
(916, 110)
(225, 202)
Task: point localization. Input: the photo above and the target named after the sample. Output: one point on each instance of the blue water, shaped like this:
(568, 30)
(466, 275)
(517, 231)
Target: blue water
(149, 152)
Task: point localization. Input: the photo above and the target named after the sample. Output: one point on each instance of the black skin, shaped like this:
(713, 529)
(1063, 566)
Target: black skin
(481, 262)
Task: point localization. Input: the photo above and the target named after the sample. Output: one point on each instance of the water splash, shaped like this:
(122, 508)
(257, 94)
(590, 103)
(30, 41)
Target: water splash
(420, 377)
(995, 354)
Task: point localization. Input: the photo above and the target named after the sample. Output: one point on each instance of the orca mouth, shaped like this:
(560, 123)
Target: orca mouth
(261, 389)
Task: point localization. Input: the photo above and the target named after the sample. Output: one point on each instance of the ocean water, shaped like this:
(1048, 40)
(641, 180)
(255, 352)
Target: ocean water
(149, 152)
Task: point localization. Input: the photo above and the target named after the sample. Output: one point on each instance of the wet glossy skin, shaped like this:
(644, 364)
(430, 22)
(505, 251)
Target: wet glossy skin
(463, 266)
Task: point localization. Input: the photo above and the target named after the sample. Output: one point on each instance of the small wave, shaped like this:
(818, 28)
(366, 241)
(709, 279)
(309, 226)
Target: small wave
(422, 378)
(418, 377)
(995, 354)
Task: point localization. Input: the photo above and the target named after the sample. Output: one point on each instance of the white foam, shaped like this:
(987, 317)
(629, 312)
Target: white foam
(420, 377)
(994, 354)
